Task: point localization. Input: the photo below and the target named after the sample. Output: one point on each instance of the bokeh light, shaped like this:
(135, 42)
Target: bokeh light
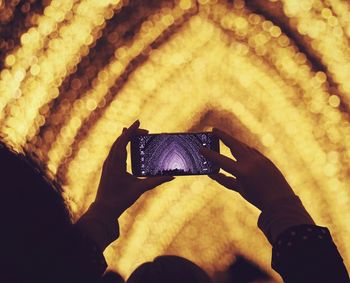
(274, 73)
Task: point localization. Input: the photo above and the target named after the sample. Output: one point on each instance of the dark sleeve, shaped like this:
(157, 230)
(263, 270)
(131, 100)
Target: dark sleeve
(306, 253)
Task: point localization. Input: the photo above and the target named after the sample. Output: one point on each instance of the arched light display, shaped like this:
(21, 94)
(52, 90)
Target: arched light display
(274, 73)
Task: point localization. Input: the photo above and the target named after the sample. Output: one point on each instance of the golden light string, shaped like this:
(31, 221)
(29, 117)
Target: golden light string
(138, 99)
(258, 41)
(272, 151)
(132, 257)
(25, 56)
(190, 202)
(63, 54)
(269, 135)
(79, 84)
(332, 114)
(266, 133)
(117, 105)
(227, 67)
(254, 88)
(342, 13)
(325, 33)
(106, 79)
(92, 146)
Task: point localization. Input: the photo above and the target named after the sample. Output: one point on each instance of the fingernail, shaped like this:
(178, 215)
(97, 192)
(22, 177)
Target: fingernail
(137, 122)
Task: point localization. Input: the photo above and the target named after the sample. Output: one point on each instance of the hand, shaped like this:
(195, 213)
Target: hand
(118, 189)
(258, 180)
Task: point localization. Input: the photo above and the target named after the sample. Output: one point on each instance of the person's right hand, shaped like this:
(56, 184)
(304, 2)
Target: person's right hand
(258, 180)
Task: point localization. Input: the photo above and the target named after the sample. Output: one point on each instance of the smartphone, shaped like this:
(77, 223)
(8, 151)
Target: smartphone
(173, 154)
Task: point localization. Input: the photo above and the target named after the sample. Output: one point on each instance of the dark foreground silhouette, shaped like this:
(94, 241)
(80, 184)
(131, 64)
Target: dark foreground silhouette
(39, 243)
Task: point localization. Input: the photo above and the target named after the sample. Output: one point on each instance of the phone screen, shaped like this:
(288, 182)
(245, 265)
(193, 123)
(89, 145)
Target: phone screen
(172, 154)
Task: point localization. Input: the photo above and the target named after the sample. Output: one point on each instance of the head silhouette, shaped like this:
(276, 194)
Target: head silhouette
(33, 218)
(169, 269)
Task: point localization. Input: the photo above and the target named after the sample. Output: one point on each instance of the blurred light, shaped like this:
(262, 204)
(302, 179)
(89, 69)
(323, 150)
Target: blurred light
(81, 71)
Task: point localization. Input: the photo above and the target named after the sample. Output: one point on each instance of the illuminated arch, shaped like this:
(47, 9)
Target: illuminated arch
(279, 84)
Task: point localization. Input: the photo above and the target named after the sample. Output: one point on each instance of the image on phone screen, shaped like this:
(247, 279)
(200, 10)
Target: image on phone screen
(172, 154)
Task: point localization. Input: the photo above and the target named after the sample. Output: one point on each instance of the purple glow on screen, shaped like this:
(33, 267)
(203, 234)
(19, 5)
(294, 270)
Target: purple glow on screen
(169, 154)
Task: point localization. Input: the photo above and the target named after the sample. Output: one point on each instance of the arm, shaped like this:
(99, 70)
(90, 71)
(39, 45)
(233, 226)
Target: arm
(283, 219)
(117, 191)
(306, 253)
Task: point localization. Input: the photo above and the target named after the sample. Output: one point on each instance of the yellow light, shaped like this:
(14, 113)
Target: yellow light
(334, 101)
(10, 60)
(185, 4)
(75, 80)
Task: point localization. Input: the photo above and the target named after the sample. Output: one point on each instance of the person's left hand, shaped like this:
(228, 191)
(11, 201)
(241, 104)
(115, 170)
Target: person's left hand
(118, 189)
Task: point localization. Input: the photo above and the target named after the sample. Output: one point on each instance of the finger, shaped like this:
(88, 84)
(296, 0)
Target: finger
(222, 161)
(118, 153)
(124, 138)
(138, 131)
(228, 182)
(237, 147)
(152, 182)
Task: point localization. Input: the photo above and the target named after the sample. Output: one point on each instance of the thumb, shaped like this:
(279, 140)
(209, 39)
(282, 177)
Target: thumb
(152, 182)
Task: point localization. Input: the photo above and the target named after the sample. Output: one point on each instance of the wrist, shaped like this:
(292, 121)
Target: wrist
(282, 214)
(99, 224)
(109, 210)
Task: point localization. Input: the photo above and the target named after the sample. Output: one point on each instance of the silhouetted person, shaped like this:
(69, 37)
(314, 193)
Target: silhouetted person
(170, 269)
(302, 251)
(39, 243)
(112, 277)
(242, 271)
